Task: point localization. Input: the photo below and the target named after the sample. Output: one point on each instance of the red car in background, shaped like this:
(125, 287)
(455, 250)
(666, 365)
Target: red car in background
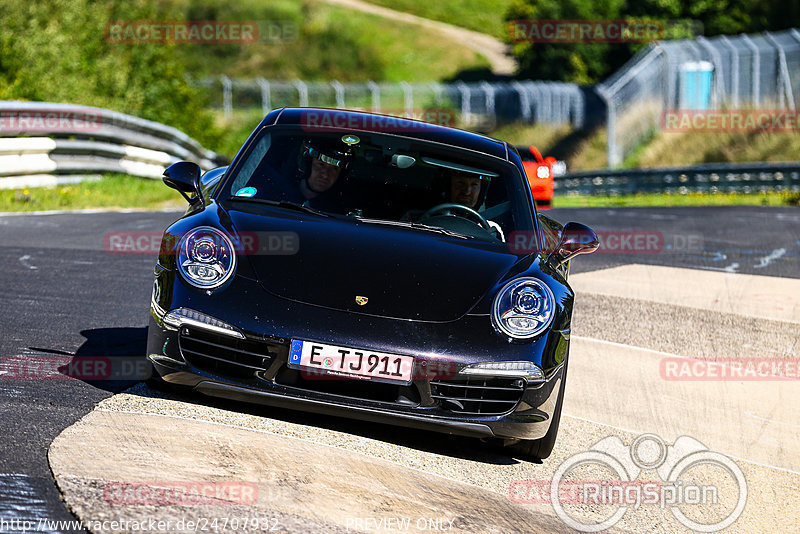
(539, 171)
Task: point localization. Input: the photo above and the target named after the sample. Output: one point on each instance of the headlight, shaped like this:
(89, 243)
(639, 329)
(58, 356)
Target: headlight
(523, 308)
(206, 257)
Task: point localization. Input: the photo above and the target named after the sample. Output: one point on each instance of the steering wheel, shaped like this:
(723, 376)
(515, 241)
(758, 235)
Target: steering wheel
(447, 208)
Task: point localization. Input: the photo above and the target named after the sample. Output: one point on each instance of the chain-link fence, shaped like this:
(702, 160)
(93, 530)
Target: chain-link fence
(719, 73)
(479, 105)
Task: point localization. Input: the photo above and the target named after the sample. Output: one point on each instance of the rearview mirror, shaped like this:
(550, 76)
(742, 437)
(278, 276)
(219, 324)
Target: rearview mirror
(184, 176)
(576, 238)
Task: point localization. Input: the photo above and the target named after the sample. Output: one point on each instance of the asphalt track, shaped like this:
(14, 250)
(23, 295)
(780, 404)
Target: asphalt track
(63, 294)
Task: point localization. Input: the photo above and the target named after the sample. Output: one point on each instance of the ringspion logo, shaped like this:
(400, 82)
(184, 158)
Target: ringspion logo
(593, 490)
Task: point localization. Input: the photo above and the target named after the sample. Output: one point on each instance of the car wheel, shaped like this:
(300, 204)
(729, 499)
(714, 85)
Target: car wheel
(541, 448)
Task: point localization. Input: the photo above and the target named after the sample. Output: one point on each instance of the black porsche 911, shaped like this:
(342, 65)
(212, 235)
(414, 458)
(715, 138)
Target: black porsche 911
(370, 267)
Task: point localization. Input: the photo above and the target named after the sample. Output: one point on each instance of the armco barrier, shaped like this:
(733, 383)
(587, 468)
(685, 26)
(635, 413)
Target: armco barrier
(707, 178)
(43, 143)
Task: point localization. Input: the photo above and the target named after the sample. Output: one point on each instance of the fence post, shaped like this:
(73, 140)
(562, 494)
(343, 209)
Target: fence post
(466, 96)
(756, 67)
(408, 99)
(227, 96)
(376, 96)
(734, 70)
(266, 101)
(612, 156)
(547, 90)
(783, 73)
(488, 91)
(578, 115)
(796, 35)
(718, 82)
(437, 93)
(538, 114)
(524, 101)
(338, 88)
(302, 92)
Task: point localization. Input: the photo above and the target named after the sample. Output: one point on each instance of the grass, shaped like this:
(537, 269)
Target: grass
(332, 43)
(586, 152)
(661, 149)
(120, 191)
(675, 149)
(112, 191)
(543, 136)
(664, 200)
(485, 16)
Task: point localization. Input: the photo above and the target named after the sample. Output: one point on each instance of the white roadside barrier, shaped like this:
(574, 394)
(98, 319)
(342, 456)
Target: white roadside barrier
(43, 143)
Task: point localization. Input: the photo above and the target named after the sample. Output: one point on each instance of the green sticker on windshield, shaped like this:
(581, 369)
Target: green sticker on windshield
(350, 139)
(246, 192)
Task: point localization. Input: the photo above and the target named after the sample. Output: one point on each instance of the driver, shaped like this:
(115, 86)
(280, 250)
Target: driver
(468, 189)
(465, 188)
(322, 172)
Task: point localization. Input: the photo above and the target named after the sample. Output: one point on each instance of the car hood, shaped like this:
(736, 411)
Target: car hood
(394, 272)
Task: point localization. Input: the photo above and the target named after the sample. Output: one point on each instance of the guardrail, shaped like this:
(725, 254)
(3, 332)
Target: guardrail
(706, 178)
(44, 143)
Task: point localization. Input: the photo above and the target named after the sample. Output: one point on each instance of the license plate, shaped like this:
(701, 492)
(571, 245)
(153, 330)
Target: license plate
(349, 362)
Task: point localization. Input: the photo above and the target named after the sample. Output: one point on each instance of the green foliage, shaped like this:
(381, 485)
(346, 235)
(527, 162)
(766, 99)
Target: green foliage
(587, 63)
(58, 51)
(485, 16)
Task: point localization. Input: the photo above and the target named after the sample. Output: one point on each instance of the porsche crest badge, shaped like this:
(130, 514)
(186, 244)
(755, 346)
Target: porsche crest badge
(361, 300)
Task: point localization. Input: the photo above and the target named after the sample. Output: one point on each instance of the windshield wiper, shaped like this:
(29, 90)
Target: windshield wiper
(282, 204)
(440, 230)
(417, 226)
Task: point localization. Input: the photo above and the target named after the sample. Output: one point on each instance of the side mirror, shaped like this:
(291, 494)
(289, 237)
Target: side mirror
(576, 239)
(184, 176)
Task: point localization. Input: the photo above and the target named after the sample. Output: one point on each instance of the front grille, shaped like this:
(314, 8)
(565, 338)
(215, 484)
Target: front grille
(350, 387)
(478, 395)
(221, 354)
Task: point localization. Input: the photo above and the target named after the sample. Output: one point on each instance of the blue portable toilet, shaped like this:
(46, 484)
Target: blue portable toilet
(696, 80)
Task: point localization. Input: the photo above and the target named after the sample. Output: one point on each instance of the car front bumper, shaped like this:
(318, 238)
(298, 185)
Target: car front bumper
(443, 400)
(529, 418)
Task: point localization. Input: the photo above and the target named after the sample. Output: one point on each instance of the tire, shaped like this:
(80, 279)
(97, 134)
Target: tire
(539, 449)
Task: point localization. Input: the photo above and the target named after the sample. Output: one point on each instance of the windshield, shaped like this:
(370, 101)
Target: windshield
(383, 179)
